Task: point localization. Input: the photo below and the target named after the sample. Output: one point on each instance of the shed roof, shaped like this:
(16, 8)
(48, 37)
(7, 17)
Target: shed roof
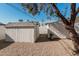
(20, 25)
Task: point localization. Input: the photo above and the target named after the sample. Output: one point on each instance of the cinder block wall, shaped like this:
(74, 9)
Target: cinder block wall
(2, 32)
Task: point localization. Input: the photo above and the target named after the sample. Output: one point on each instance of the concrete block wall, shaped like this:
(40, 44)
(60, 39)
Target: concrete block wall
(2, 32)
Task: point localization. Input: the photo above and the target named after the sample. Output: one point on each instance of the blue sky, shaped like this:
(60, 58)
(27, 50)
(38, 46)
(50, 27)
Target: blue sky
(10, 13)
(14, 12)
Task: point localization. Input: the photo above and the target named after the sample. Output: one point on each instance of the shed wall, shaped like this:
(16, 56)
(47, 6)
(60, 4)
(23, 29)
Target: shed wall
(20, 35)
(36, 32)
(43, 29)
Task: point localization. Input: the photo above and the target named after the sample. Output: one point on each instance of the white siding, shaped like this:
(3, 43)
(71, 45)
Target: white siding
(25, 35)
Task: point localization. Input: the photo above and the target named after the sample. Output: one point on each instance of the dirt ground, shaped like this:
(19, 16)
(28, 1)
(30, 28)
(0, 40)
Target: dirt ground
(42, 47)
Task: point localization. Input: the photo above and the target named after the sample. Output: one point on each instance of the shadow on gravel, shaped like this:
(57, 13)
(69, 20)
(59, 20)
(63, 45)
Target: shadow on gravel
(44, 38)
(4, 44)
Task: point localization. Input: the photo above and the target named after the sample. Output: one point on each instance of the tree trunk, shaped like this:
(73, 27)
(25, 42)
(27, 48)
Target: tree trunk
(74, 36)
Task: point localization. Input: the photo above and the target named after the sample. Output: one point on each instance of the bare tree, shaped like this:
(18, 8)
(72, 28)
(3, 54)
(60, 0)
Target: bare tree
(69, 24)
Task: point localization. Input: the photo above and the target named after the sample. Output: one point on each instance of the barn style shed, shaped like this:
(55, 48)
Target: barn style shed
(22, 32)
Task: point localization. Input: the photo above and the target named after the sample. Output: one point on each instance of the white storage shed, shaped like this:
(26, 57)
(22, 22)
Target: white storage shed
(22, 32)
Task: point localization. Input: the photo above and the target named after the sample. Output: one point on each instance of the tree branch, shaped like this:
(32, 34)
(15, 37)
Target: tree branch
(73, 14)
(65, 21)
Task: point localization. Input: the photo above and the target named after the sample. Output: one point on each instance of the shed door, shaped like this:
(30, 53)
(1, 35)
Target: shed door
(24, 35)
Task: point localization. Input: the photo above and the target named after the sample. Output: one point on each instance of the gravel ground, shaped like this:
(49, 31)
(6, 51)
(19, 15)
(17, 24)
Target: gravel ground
(41, 48)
